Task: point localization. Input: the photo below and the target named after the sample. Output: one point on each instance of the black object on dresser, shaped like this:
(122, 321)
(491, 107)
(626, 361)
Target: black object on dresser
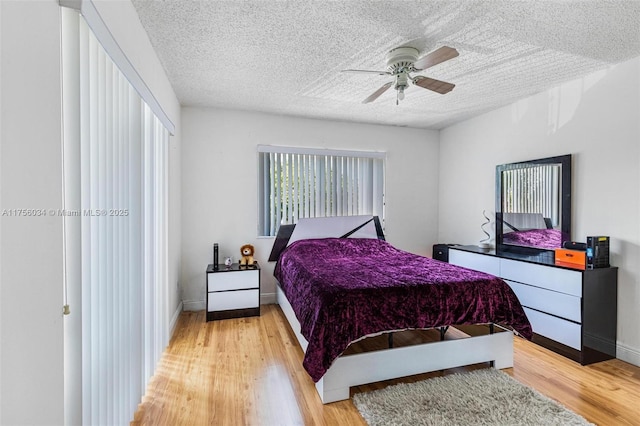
(572, 311)
(597, 252)
(441, 252)
(233, 291)
(216, 265)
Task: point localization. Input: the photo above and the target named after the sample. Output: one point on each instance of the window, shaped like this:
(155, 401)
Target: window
(115, 155)
(533, 190)
(300, 183)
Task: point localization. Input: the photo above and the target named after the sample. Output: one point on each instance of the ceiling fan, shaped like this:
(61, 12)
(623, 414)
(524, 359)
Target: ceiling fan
(402, 61)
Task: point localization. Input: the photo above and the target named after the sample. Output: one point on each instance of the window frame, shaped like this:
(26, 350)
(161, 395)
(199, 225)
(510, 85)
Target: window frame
(263, 214)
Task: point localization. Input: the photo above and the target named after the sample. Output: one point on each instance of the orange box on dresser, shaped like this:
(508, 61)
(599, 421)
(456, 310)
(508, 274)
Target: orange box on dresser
(571, 258)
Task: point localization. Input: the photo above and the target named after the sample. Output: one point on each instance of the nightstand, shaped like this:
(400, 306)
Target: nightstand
(233, 291)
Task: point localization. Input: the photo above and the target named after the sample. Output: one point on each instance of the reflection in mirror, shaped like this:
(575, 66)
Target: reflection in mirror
(533, 203)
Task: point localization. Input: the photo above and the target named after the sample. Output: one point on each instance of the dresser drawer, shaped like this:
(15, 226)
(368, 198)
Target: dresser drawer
(563, 331)
(555, 303)
(556, 279)
(233, 280)
(478, 262)
(239, 299)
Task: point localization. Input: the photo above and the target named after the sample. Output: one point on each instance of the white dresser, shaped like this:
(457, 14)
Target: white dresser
(233, 291)
(572, 312)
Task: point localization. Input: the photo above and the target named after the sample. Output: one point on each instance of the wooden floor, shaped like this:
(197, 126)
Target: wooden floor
(248, 371)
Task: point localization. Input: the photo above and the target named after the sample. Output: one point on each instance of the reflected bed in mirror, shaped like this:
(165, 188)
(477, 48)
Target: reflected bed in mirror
(533, 204)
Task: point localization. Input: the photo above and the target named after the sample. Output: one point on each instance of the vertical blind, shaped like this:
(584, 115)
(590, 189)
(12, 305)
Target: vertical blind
(303, 183)
(123, 234)
(533, 190)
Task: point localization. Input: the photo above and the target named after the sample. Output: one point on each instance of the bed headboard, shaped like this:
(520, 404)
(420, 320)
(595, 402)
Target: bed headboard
(326, 227)
(524, 221)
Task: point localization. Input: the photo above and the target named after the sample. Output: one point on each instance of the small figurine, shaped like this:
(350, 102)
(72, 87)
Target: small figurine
(247, 255)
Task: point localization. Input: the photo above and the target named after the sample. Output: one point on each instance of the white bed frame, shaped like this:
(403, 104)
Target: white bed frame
(369, 367)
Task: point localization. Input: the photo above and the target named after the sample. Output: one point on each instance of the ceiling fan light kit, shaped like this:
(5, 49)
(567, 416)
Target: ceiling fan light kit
(402, 61)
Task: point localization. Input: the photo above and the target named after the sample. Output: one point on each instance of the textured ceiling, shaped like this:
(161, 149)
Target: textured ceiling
(285, 57)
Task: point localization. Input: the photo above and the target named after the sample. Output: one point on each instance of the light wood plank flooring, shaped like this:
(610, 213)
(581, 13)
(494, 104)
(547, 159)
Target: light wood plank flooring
(248, 371)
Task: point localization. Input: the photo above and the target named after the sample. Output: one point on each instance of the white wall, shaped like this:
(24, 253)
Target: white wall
(219, 184)
(31, 337)
(595, 118)
(31, 295)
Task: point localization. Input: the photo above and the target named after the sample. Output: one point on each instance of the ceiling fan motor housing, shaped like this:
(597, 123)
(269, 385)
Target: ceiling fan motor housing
(401, 62)
(401, 59)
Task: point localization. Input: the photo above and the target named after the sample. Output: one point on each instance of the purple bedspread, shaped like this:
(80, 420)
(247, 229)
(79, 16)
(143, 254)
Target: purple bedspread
(344, 289)
(541, 238)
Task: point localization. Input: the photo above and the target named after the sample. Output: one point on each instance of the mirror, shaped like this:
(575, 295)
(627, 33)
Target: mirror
(533, 203)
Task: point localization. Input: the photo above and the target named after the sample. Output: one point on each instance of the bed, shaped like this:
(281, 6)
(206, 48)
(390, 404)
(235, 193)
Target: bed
(337, 287)
(530, 230)
(549, 239)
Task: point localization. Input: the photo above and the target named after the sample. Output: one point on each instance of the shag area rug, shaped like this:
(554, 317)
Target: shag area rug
(480, 397)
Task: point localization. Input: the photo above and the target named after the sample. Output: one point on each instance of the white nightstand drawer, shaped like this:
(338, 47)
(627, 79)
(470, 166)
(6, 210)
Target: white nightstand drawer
(478, 262)
(558, 304)
(233, 280)
(556, 279)
(563, 331)
(240, 299)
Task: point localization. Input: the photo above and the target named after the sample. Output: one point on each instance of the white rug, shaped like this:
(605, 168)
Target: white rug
(480, 397)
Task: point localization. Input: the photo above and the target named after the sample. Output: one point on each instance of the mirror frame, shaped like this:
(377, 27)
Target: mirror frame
(565, 194)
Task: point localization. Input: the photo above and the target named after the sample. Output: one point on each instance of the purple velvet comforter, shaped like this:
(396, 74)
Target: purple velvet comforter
(344, 289)
(541, 238)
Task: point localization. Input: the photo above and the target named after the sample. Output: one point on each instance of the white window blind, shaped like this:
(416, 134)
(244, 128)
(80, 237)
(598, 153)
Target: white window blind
(122, 215)
(302, 183)
(533, 190)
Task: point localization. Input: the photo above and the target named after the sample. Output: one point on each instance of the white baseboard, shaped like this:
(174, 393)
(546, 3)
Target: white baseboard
(194, 305)
(267, 298)
(174, 319)
(201, 305)
(627, 354)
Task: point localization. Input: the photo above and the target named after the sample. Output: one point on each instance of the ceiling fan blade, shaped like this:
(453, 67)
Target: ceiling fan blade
(368, 72)
(434, 58)
(434, 85)
(377, 93)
